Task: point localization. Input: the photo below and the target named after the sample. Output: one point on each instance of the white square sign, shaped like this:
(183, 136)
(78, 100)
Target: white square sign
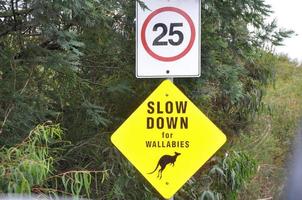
(168, 39)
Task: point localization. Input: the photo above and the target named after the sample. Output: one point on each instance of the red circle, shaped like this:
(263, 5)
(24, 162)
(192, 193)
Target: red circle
(188, 48)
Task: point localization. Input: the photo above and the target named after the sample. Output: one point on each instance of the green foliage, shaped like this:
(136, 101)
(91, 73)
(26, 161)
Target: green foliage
(29, 163)
(72, 62)
(210, 195)
(222, 180)
(29, 167)
(235, 65)
(232, 173)
(269, 140)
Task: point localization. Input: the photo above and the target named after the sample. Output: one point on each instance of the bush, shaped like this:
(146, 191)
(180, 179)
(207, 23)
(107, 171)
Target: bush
(29, 167)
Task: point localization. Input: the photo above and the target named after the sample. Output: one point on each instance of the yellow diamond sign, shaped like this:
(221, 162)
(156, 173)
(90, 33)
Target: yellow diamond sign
(168, 139)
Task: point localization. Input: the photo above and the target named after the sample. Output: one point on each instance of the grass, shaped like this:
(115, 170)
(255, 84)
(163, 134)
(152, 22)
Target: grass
(269, 139)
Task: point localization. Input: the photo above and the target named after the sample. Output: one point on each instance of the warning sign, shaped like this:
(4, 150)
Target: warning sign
(168, 139)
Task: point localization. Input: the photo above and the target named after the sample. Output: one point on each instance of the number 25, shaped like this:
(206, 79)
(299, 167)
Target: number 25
(158, 42)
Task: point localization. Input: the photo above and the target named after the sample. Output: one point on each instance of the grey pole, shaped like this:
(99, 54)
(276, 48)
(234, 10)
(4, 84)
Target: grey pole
(172, 80)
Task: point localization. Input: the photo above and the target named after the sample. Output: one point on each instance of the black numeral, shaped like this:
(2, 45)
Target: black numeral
(172, 32)
(157, 41)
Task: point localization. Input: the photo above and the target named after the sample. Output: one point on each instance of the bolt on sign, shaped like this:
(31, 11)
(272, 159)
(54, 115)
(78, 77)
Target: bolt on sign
(168, 39)
(168, 139)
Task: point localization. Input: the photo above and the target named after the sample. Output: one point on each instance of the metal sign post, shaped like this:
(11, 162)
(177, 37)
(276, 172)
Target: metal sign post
(167, 131)
(172, 80)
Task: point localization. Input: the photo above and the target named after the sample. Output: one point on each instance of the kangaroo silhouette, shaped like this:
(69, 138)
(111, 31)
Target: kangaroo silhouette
(163, 162)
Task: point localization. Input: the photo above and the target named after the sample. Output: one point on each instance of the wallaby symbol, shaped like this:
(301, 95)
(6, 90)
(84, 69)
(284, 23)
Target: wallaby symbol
(163, 162)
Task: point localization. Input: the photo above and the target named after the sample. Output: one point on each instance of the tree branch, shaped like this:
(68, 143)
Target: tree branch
(10, 109)
(12, 13)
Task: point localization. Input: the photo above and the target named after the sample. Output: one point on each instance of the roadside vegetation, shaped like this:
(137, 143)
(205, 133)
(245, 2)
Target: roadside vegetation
(67, 82)
(269, 140)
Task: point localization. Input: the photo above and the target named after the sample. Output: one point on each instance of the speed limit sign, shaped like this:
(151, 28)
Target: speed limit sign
(168, 39)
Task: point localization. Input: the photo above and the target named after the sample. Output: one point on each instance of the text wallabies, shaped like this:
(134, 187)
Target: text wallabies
(163, 162)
